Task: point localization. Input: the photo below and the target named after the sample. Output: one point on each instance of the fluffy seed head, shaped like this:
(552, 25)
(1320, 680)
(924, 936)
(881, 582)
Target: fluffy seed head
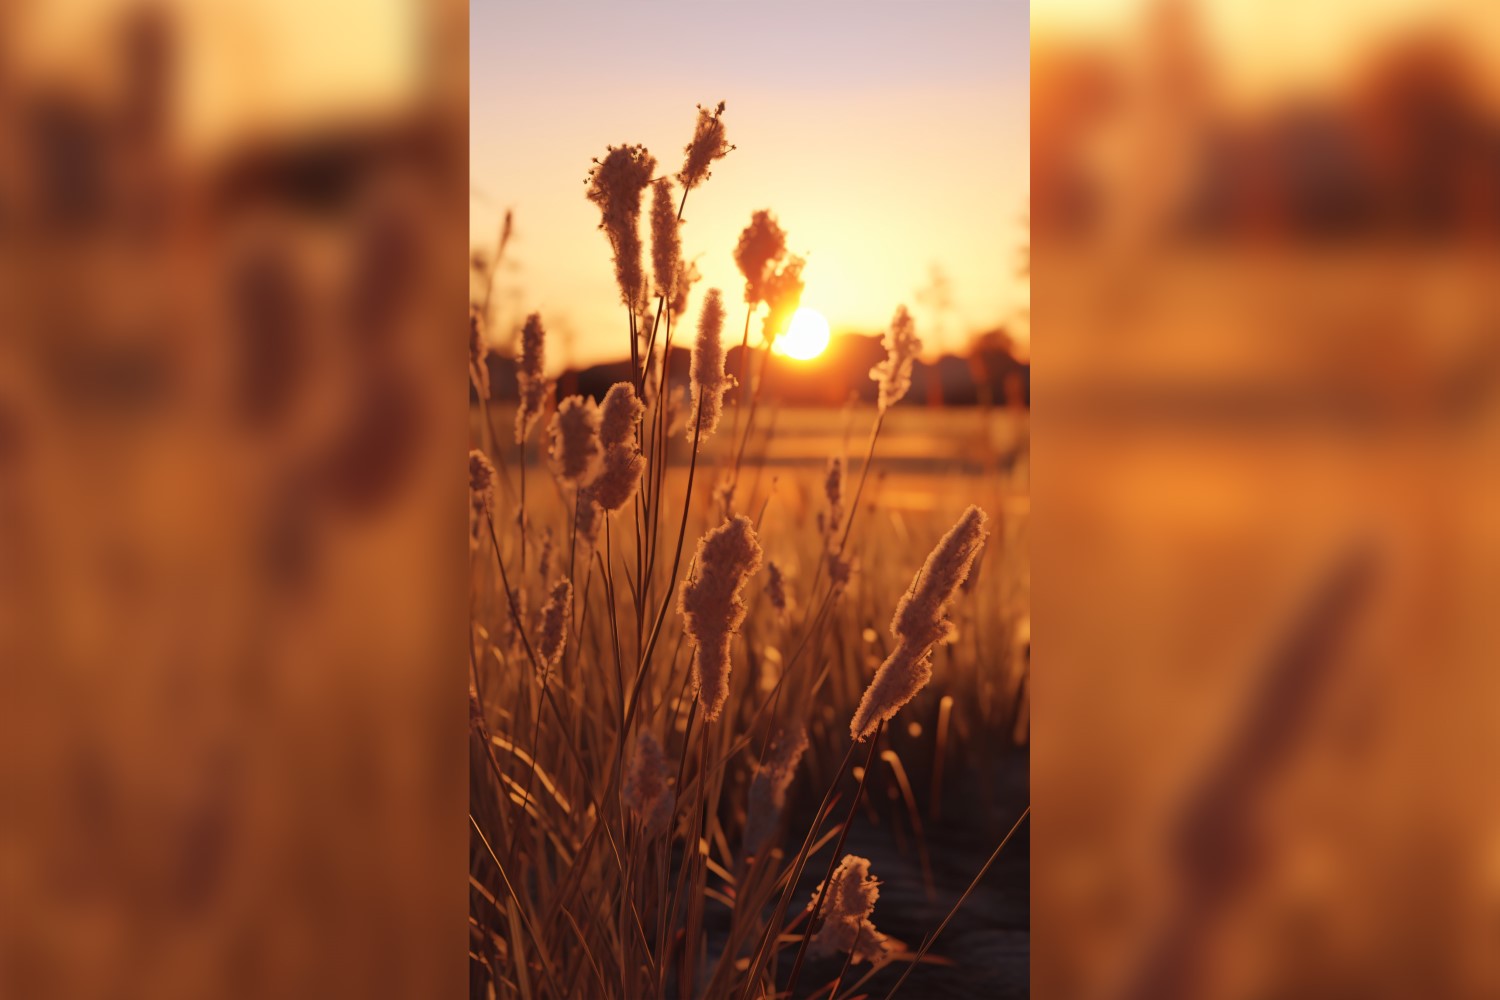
(709, 381)
(707, 146)
(851, 891)
(533, 345)
(841, 570)
(846, 927)
(772, 779)
(529, 380)
(712, 608)
(618, 415)
(783, 293)
(647, 789)
(972, 580)
(666, 240)
(481, 484)
(919, 615)
(919, 624)
(901, 349)
(776, 588)
(553, 634)
(761, 245)
(575, 439)
(588, 521)
(620, 474)
(833, 490)
(615, 185)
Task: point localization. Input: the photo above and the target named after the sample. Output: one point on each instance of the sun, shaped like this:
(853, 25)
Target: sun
(806, 336)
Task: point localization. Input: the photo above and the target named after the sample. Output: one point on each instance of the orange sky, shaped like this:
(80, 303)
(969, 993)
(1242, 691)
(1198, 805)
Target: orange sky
(887, 138)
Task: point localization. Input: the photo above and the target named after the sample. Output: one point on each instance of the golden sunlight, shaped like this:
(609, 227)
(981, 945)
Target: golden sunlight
(805, 336)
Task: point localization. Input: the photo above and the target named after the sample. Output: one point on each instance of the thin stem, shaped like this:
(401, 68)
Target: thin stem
(635, 349)
(849, 958)
(765, 368)
(849, 518)
(860, 486)
(616, 761)
(695, 899)
(516, 901)
(661, 299)
(607, 579)
(927, 944)
(659, 453)
(521, 445)
(536, 733)
(670, 910)
(573, 535)
(638, 592)
(793, 873)
(491, 271)
(515, 612)
(687, 507)
(833, 861)
(734, 431)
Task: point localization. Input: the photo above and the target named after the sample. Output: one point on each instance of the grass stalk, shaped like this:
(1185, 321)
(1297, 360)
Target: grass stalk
(932, 938)
(833, 861)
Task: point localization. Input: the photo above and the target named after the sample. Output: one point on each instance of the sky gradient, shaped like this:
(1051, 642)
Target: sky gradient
(887, 138)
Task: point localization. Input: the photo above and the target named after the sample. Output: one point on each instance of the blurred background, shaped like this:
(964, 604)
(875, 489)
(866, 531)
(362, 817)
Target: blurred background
(231, 502)
(1264, 254)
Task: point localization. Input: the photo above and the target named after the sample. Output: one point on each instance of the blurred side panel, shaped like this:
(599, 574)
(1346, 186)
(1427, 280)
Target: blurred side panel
(232, 512)
(1266, 429)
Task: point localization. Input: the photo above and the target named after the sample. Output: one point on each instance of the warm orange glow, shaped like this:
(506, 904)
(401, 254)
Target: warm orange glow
(806, 336)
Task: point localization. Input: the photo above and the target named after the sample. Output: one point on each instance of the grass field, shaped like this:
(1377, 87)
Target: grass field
(950, 775)
(749, 707)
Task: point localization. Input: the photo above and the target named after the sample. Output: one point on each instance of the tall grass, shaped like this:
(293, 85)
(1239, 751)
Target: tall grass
(663, 753)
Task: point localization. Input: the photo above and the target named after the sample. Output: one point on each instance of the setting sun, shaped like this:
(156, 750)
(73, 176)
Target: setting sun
(806, 336)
